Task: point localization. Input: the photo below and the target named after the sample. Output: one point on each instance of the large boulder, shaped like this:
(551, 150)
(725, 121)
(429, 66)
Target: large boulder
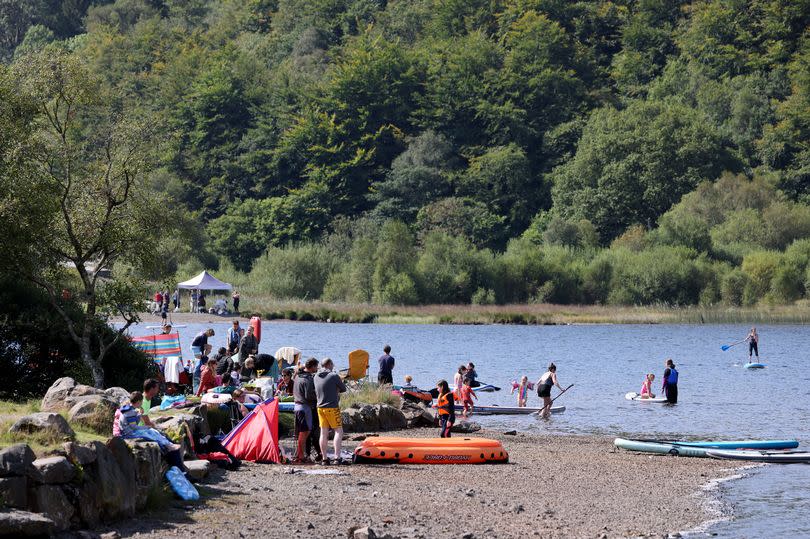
(465, 427)
(198, 469)
(417, 415)
(16, 460)
(51, 501)
(148, 469)
(47, 423)
(54, 398)
(55, 470)
(372, 417)
(106, 487)
(14, 492)
(80, 454)
(118, 394)
(94, 411)
(14, 523)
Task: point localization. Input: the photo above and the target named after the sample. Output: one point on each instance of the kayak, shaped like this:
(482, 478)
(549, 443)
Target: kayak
(483, 388)
(733, 444)
(661, 448)
(754, 365)
(384, 450)
(632, 396)
(779, 457)
(509, 410)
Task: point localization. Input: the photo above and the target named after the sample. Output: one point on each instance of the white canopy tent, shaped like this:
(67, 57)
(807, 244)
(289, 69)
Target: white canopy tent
(203, 281)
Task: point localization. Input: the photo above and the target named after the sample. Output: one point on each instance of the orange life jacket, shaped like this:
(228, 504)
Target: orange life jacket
(443, 404)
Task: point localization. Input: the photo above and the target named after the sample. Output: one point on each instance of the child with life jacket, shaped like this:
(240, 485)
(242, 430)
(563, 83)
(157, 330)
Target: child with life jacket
(445, 408)
(466, 395)
(522, 389)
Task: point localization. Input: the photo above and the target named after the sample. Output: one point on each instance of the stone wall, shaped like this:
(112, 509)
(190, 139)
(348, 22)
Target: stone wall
(79, 486)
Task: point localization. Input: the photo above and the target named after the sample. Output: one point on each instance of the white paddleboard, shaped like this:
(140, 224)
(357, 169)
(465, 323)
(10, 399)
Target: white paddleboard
(633, 396)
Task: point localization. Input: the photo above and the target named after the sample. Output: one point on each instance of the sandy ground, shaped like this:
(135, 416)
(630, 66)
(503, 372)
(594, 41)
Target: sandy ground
(553, 486)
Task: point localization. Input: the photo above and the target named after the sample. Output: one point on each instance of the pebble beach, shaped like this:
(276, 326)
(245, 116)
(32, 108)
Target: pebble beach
(553, 486)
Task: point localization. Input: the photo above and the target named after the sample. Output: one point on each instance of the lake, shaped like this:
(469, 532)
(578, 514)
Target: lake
(718, 398)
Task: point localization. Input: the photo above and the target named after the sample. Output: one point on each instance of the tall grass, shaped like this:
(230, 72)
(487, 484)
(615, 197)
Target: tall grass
(369, 393)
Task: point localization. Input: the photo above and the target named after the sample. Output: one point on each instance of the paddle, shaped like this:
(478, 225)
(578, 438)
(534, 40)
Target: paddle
(561, 392)
(727, 346)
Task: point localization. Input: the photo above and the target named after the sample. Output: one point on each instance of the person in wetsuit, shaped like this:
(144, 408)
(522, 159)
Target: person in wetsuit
(544, 385)
(445, 408)
(670, 387)
(753, 343)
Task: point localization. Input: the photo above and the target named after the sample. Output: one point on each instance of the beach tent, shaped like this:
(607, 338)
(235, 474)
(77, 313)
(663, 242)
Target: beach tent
(255, 438)
(204, 281)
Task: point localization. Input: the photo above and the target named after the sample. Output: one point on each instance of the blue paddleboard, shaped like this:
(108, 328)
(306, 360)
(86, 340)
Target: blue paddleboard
(754, 365)
(180, 485)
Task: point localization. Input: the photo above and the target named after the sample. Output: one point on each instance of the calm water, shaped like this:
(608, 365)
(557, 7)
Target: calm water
(717, 397)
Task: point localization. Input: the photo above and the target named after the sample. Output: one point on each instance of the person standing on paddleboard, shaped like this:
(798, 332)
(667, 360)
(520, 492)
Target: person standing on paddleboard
(544, 385)
(753, 343)
(670, 387)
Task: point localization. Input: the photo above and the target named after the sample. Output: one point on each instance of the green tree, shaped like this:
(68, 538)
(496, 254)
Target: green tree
(85, 188)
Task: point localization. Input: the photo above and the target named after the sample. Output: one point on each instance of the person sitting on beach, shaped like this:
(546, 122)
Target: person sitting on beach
(224, 362)
(646, 387)
(242, 397)
(208, 379)
(445, 408)
(544, 385)
(125, 425)
(467, 396)
(522, 389)
(151, 388)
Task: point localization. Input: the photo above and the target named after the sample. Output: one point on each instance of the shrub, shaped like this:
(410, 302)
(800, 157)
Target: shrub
(292, 272)
(760, 268)
(732, 287)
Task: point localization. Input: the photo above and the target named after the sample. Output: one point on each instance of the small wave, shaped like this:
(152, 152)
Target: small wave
(713, 502)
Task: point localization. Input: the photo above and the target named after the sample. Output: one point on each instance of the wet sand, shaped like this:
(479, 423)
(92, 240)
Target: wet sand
(553, 486)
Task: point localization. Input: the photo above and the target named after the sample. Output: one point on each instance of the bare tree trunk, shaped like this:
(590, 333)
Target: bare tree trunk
(93, 363)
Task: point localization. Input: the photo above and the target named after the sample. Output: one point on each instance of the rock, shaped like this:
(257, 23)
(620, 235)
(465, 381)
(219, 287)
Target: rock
(371, 417)
(44, 422)
(417, 415)
(82, 390)
(80, 454)
(364, 533)
(16, 460)
(148, 469)
(126, 463)
(52, 502)
(118, 394)
(55, 396)
(465, 427)
(15, 523)
(510, 433)
(198, 469)
(95, 411)
(106, 487)
(14, 492)
(55, 470)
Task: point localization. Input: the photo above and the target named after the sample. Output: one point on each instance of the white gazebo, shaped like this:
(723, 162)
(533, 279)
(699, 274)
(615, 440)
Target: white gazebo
(204, 281)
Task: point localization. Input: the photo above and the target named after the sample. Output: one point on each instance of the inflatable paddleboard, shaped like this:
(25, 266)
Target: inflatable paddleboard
(378, 450)
(754, 365)
(485, 388)
(731, 444)
(777, 457)
(632, 396)
(661, 448)
(181, 485)
(509, 410)
(256, 324)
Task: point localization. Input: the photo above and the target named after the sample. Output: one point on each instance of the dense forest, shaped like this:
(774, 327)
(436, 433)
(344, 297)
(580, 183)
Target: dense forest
(456, 151)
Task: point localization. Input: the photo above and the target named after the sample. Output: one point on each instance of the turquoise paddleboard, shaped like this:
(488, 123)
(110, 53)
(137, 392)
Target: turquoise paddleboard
(754, 365)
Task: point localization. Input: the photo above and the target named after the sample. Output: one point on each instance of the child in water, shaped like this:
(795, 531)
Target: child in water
(522, 390)
(467, 395)
(646, 387)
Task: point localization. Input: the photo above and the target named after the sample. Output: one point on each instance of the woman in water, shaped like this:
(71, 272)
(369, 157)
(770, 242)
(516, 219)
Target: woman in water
(445, 408)
(753, 343)
(544, 385)
(670, 387)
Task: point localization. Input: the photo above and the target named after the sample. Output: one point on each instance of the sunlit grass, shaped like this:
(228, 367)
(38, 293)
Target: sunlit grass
(369, 393)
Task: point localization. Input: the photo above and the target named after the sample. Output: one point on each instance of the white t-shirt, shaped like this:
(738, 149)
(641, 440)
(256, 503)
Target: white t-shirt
(174, 365)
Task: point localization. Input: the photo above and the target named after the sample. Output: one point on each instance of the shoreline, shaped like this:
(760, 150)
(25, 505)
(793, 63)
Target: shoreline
(554, 486)
(534, 314)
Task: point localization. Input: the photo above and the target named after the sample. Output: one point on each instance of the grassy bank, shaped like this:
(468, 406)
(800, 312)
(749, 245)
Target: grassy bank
(40, 443)
(529, 314)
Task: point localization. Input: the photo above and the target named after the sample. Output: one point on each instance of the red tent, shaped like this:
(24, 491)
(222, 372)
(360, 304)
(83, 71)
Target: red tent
(255, 438)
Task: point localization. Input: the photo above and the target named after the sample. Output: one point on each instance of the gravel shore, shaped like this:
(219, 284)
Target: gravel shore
(553, 486)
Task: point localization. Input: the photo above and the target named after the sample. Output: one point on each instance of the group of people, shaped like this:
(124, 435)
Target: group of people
(669, 387)
(160, 303)
(197, 303)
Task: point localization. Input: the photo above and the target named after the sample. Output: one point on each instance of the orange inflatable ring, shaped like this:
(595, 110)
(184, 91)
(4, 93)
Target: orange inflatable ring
(430, 451)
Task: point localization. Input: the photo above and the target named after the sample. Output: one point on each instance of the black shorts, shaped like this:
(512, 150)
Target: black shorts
(544, 391)
(303, 420)
(385, 378)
